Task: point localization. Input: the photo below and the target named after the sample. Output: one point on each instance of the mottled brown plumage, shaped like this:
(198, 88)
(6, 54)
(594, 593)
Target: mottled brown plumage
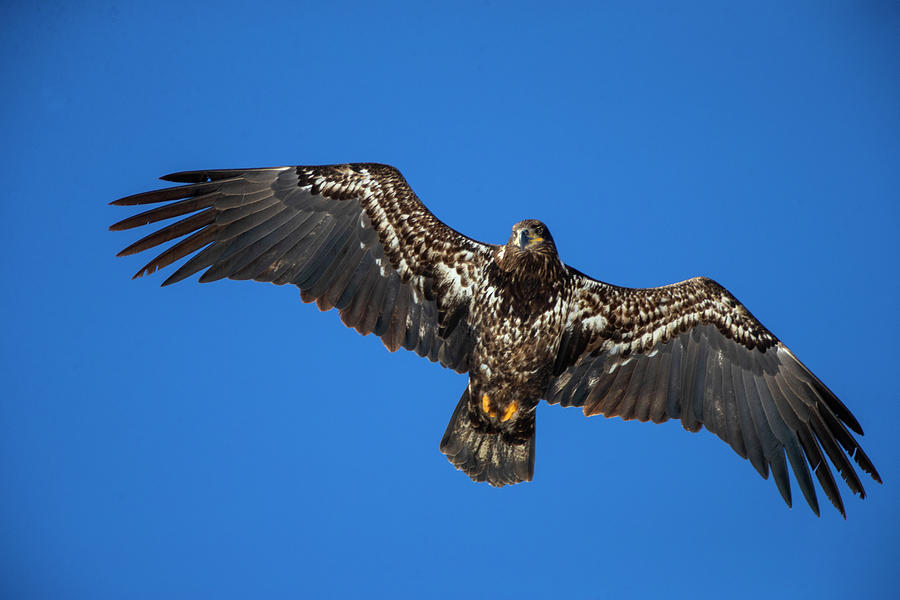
(515, 317)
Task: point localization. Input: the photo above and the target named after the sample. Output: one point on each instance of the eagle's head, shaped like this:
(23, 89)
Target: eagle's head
(531, 235)
(530, 247)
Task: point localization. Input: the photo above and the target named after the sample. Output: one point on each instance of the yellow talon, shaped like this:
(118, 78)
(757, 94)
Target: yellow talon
(510, 411)
(486, 406)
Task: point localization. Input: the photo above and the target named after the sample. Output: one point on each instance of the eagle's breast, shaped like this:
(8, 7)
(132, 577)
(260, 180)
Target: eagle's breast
(519, 316)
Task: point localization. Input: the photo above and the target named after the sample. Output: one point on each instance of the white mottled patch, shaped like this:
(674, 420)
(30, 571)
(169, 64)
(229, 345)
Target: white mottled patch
(595, 323)
(645, 340)
(454, 278)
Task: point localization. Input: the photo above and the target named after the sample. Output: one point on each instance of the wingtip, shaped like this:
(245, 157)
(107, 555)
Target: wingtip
(875, 475)
(174, 278)
(132, 249)
(186, 177)
(838, 503)
(851, 422)
(865, 463)
(132, 200)
(118, 226)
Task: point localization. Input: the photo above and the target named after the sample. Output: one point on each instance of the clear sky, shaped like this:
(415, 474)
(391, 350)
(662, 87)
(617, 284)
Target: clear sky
(227, 441)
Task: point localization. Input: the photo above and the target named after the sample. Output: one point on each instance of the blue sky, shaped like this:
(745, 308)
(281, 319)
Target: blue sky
(227, 441)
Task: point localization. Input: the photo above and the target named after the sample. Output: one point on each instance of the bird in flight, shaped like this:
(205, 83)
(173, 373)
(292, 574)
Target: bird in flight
(515, 317)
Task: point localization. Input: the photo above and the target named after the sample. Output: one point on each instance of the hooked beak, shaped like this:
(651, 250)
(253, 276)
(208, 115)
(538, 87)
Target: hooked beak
(525, 239)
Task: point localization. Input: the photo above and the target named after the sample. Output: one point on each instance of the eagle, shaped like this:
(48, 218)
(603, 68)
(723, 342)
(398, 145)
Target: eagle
(524, 325)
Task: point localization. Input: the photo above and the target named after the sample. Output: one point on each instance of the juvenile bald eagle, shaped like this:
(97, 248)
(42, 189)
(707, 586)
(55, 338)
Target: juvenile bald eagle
(522, 323)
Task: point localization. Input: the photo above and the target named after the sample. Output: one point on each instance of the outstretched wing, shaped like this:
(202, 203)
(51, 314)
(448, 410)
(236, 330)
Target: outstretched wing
(353, 237)
(691, 351)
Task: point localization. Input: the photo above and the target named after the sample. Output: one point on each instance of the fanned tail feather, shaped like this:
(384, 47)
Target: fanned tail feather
(496, 457)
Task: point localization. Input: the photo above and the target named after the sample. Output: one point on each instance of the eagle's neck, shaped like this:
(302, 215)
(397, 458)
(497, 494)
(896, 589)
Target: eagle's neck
(530, 267)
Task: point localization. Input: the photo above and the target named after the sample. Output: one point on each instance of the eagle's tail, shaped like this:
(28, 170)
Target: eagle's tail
(484, 454)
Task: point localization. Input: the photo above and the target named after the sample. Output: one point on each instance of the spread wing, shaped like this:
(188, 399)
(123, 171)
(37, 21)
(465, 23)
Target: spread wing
(352, 237)
(691, 351)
